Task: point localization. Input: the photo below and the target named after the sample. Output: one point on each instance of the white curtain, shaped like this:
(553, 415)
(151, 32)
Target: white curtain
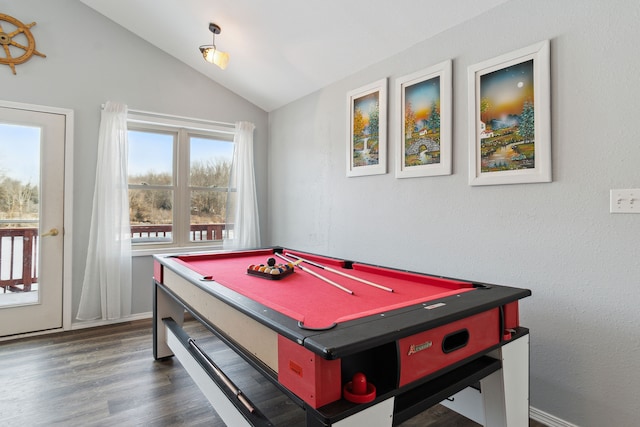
(242, 205)
(106, 289)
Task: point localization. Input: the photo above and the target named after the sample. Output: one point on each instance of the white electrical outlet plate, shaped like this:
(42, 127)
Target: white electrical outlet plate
(625, 201)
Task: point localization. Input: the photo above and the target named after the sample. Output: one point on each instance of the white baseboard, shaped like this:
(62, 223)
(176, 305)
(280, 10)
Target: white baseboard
(548, 419)
(101, 322)
(81, 325)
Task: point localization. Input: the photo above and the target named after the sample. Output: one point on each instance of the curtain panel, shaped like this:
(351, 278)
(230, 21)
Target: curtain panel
(242, 205)
(106, 289)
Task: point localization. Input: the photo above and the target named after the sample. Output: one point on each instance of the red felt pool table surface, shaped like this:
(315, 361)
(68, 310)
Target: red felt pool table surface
(314, 302)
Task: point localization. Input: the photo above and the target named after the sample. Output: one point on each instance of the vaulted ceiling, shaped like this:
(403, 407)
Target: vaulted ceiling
(282, 50)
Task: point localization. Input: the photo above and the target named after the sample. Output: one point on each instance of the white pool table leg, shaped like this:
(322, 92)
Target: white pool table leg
(506, 392)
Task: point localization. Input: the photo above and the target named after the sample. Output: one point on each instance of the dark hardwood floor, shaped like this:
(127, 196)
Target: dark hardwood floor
(107, 376)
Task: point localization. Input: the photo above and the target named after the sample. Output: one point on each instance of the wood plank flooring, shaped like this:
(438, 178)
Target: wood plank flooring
(107, 377)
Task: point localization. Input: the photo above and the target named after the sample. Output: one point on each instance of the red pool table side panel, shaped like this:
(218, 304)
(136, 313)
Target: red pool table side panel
(157, 272)
(423, 354)
(315, 380)
(314, 302)
(511, 315)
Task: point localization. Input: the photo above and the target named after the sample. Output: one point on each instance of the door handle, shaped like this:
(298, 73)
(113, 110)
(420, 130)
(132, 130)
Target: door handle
(53, 232)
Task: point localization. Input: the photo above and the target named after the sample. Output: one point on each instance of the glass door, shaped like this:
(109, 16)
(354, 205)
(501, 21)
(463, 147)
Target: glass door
(32, 146)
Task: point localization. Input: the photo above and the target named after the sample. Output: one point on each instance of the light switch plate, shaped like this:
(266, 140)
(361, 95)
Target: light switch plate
(625, 201)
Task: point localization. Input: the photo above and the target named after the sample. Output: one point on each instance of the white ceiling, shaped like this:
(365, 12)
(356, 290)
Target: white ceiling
(282, 50)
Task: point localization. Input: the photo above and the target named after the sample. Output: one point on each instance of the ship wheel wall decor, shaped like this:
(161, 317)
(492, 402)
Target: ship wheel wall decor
(12, 38)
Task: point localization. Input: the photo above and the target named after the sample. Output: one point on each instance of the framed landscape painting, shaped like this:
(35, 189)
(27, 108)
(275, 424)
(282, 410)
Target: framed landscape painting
(509, 115)
(424, 109)
(367, 130)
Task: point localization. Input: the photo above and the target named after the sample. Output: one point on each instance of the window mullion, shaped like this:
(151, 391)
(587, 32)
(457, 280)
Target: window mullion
(181, 210)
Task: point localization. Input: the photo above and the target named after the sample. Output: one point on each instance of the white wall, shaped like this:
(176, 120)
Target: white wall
(557, 239)
(91, 60)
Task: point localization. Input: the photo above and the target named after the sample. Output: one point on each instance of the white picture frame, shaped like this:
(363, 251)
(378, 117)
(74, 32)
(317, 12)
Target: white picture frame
(509, 118)
(424, 110)
(367, 130)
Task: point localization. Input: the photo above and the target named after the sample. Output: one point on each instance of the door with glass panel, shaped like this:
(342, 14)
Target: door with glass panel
(32, 147)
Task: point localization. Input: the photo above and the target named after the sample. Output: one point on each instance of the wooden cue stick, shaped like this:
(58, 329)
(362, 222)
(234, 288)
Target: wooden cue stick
(235, 390)
(341, 273)
(313, 273)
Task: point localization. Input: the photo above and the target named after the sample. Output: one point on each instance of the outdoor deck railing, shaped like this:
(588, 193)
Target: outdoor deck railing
(18, 249)
(198, 231)
(14, 275)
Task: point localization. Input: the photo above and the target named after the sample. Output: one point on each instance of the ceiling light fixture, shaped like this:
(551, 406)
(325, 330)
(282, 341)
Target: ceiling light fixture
(211, 54)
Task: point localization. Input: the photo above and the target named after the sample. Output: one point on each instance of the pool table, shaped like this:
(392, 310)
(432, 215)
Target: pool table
(349, 342)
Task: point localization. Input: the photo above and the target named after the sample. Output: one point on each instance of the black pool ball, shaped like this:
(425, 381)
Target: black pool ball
(271, 262)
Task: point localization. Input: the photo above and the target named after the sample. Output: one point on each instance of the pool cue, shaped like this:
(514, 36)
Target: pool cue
(313, 273)
(341, 273)
(225, 379)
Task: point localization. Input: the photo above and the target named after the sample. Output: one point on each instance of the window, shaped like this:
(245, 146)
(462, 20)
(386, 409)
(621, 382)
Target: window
(178, 184)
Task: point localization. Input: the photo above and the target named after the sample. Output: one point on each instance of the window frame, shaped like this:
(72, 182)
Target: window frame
(182, 129)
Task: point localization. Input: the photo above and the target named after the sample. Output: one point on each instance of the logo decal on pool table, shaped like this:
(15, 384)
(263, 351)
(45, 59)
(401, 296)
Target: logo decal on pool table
(414, 348)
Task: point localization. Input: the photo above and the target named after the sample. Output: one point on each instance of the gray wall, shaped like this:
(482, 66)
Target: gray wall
(91, 60)
(557, 239)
